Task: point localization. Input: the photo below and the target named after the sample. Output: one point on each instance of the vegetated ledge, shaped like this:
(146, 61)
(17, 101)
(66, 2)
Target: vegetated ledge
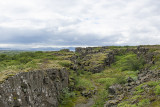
(93, 59)
(40, 88)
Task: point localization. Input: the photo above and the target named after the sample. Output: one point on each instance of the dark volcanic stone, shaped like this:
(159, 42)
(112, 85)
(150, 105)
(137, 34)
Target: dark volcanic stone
(33, 89)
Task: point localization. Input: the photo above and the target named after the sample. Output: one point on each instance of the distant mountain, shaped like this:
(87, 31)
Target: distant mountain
(51, 49)
(40, 49)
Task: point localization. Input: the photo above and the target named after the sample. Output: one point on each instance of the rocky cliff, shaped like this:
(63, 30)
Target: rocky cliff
(143, 90)
(39, 88)
(94, 71)
(93, 59)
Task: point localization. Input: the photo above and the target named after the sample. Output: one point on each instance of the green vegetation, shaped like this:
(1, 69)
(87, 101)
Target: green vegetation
(84, 80)
(27, 61)
(157, 90)
(126, 65)
(67, 98)
(143, 94)
(129, 61)
(10, 53)
(156, 59)
(116, 74)
(141, 103)
(93, 61)
(84, 83)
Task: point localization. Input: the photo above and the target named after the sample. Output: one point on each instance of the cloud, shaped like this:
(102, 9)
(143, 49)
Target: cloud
(79, 22)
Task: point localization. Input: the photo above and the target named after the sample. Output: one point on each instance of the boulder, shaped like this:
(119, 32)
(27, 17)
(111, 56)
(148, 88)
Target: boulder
(115, 89)
(129, 80)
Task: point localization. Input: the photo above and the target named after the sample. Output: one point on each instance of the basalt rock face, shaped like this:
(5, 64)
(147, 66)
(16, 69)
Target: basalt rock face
(34, 89)
(92, 59)
(90, 50)
(118, 92)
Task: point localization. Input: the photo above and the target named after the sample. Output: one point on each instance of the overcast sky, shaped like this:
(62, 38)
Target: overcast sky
(52, 23)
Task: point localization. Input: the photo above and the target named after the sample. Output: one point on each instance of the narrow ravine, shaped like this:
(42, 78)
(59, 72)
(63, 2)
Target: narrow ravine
(90, 101)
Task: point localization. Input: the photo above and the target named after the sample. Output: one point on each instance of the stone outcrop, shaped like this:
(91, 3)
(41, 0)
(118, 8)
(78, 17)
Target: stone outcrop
(118, 92)
(92, 59)
(84, 55)
(41, 88)
(90, 50)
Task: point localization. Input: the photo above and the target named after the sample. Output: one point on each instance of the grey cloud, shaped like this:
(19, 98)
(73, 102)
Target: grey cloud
(81, 22)
(23, 36)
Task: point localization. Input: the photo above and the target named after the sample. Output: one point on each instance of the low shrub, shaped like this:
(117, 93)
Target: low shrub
(129, 62)
(143, 102)
(121, 80)
(157, 90)
(84, 83)
(101, 98)
(139, 89)
(24, 60)
(66, 97)
(107, 81)
(65, 63)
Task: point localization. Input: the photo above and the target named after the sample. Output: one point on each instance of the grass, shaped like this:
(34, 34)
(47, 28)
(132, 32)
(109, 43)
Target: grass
(28, 61)
(139, 89)
(125, 65)
(157, 90)
(67, 98)
(128, 62)
(143, 95)
(107, 82)
(141, 103)
(93, 61)
(84, 83)
(100, 98)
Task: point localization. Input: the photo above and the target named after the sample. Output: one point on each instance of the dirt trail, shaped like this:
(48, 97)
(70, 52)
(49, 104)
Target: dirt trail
(90, 101)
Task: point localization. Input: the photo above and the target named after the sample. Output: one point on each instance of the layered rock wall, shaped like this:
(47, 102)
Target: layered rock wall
(93, 59)
(40, 88)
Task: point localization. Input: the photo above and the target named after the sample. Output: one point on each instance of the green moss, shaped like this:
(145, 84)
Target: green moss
(155, 104)
(101, 98)
(132, 74)
(67, 98)
(9, 75)
(157, 90)
(143, 102)
(84, 83)
(65, 63)
(126, 104)
(97, 48)
(107, 81)
(128, 62)
(139, 89)
(29, 61)
(126, 65)
(15, 98)
(136, 97)
(153, 83)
